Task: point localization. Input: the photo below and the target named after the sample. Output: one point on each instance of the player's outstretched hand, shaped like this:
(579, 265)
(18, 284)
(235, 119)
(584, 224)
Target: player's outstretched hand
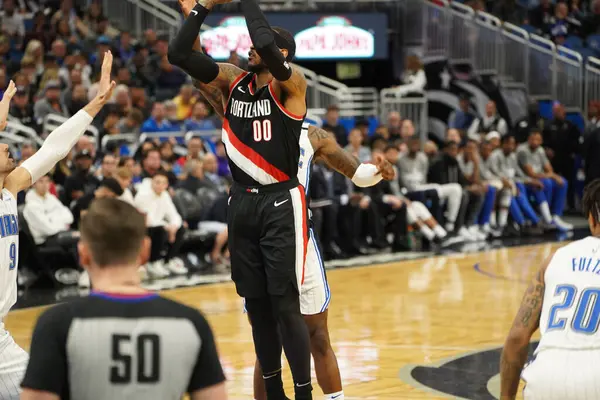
(384, 167)
(9, 92)
(106, 86)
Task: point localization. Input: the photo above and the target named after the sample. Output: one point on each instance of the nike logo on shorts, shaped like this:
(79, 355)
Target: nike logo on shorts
(241, 90)
(277, 204)
(194, 12)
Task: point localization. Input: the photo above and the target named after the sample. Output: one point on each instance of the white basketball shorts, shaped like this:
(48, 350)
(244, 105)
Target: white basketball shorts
(13, 362)
(314, 292)
(558, 374)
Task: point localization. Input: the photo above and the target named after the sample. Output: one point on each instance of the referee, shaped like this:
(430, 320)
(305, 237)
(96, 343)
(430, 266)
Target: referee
(121, 342)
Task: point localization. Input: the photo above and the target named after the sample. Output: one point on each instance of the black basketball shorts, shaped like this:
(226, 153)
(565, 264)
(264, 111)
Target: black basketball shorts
(268, 236)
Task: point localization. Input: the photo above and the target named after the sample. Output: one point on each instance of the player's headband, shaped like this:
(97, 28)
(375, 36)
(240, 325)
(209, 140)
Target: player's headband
(283, 43)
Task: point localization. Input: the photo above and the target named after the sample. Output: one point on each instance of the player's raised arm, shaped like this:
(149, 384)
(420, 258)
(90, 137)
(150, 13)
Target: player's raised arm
(58, 144)
(514, 354)
(197, 64)
(5, 104)
(276, 48)
(364, 175)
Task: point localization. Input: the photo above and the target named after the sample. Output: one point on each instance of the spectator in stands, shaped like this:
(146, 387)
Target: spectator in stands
(381, 133)
(533, 161)
(141, 73)
(561, 140)
(125, 47)
(122, 100)
(28, 149)
(46, 216)
(167, 78)
(152, 163)
(132, 123)
(394, 124)
(560, 26)
(59, 51)
(503, 165)
(472, 168)
(532, 120)
(509, 11)
(12, 22)
(462, 118)
(363, 126)
(591, 24)
(390, 195)
(492, 139)
(50, 103)
(76, 99)
(158, 122)
(195, 178)
(505, 188)
(85, 143)
(171, 114)
(139, 99)
(184, 102)
(541, 15)
(108, 168)
(108, 188)
(355, 146)
(223, 164)
(430, 149)
(332, 124)
(453, 135)
(124, 177)
(198, 120)
(165, 227)
(492, 121)
(124, 76)
(22, 109)
(195, 151)
(407, 131)
(445, 171)
(82, 181)
(150, 39)
(414, 79)
(169, 158)
(211, 169)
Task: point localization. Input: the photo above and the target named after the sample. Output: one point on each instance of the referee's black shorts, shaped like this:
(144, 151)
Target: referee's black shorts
(268, 235)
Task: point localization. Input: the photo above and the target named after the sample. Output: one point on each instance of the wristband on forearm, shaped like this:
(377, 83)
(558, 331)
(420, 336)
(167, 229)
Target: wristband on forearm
(366, 175)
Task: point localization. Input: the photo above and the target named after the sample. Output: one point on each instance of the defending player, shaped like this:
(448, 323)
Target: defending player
(268, 229)
(57, 145)
(121, 342)
(563, 300)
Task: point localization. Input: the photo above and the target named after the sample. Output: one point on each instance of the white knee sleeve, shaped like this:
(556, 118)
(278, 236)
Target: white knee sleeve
(420, 210)
(411, 215)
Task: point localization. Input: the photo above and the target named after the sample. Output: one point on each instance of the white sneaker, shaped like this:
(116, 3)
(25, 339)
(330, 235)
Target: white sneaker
(466, 235)
(560, 224)
(176, 266)
(477, 233)
(84, 280)
(453, 239)
(143, 272)
(157, 270)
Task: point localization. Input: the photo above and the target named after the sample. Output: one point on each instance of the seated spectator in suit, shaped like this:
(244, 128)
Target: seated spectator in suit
(211, 169)
(491, 121)
(444, 170)
(165, 227)
(196, 179)
(44, 213)
(82, 181)
(108, 188)
(533, 161)
(356, 147)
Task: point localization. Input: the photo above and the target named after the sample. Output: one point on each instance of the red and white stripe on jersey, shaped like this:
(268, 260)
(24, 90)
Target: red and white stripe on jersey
(301, 229)
(281, 107)
(248, 160)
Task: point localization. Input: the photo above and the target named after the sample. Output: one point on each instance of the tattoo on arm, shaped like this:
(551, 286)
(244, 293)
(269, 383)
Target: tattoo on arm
(327, 149)
(514, 354)
(213, 95)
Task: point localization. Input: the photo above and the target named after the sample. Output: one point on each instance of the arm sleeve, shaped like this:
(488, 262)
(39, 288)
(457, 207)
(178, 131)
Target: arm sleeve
(207, 371)
(57, 145)
(197, 64)
(48, 369)
(263, 39)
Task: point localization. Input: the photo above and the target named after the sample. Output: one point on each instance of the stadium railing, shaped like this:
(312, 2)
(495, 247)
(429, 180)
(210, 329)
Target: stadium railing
(519, 59)
(137, 16)
(592, 82)
(412, 108)
(16, 128)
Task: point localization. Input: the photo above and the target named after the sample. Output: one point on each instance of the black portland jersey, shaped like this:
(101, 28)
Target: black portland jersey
(261, 137)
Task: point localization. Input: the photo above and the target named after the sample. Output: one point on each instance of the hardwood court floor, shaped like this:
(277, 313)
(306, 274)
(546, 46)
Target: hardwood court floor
(384, 320)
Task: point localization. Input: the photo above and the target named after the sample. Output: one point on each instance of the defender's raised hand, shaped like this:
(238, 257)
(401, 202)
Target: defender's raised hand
(5, 103)
(106, 86)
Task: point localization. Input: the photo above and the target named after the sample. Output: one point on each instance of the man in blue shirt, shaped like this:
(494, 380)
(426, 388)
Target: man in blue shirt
(158, 121)
(462, 118)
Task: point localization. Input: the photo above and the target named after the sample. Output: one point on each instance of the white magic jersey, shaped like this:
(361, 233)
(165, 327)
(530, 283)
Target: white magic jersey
(306, 156)
(570, 315)
(9, 252)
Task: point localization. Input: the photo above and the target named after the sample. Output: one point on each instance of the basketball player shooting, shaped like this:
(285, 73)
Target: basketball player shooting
(13, 359)
(563, 301)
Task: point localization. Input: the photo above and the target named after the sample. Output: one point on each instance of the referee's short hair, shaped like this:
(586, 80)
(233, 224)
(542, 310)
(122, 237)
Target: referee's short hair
(113, 231)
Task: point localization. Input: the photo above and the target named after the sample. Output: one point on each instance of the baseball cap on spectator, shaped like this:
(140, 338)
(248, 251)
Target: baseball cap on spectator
(53, 84)
(112, 185)
(104, 40)
(82, 154)
(492, 135)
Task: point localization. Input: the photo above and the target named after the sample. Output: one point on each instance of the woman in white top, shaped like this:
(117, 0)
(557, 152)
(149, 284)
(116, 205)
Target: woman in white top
(414, 78)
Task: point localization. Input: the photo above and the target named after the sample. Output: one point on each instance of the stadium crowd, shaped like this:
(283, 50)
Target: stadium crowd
(488, 179)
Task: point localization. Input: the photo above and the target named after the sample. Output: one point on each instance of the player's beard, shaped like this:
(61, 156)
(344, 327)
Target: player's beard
(257, 68)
